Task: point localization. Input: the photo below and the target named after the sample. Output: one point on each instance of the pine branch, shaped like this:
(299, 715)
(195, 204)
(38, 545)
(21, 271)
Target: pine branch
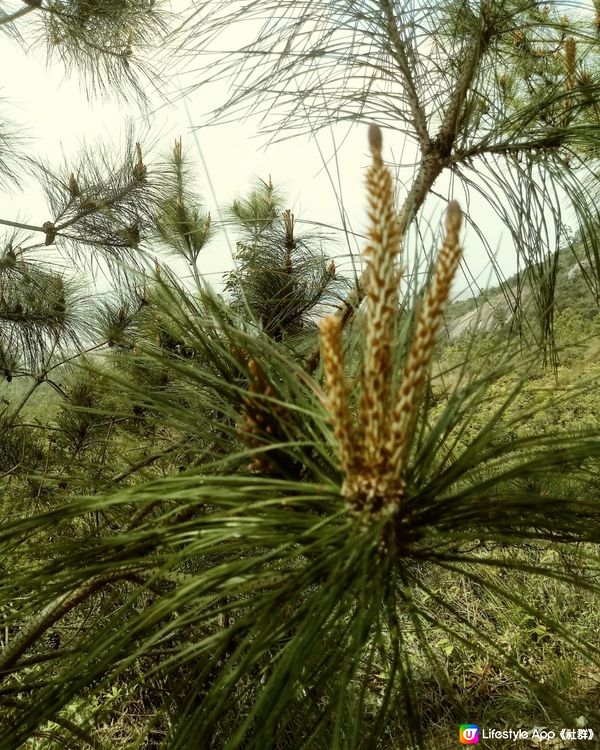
(19, 225)
(29, 7)
(419, 118)
(51, 614)
(147, 460)
(451, 120)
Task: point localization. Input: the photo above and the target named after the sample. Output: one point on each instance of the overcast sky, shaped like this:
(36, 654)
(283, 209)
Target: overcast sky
(58, 117)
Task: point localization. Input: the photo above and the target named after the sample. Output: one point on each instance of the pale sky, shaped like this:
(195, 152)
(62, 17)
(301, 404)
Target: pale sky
(57, 116)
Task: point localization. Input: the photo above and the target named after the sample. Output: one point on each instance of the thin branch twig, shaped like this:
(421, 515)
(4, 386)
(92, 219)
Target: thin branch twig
(9, 18)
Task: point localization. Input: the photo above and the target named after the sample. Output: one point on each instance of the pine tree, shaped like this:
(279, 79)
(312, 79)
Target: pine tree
(101, 208)
(232, 545)
(252, 598)
(282, 277)
(501, 95)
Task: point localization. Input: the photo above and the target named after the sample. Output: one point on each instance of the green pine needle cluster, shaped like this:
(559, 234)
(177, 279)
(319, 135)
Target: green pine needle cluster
(182, 561)
(232, 593)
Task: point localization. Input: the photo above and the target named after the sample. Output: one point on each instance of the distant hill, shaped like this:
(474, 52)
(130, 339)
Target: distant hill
(493, 308)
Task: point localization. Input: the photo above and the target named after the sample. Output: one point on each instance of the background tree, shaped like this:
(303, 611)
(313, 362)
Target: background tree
(100, 209)
(282, 277)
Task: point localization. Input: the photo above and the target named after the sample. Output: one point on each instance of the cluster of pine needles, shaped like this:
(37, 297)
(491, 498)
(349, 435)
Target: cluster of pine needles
(283, 591)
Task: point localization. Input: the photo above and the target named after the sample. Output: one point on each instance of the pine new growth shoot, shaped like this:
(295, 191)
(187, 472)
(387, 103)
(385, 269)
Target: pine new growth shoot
(428, 325)
(375, 465)
(333, 358)
(382, 304)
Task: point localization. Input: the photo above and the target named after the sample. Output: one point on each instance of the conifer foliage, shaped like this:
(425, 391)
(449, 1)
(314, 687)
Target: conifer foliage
(500, 95)
(374, 455)
(213, 537)
(280, 591)
(283, 277)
